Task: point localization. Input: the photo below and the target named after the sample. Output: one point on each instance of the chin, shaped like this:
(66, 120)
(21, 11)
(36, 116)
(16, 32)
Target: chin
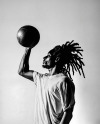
(45, 66)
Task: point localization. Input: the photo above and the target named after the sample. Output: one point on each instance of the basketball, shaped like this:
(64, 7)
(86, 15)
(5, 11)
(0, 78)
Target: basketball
(28, 36)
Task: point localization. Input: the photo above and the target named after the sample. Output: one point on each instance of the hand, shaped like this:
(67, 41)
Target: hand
(28, 49)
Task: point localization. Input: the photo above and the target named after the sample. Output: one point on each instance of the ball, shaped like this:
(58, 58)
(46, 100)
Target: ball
(28, 36)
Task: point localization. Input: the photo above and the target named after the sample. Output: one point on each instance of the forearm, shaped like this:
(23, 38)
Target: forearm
(63, 120)
(24, 64)
(67, 116)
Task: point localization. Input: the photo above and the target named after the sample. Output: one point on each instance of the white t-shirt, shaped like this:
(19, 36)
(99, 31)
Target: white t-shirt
(51, 98)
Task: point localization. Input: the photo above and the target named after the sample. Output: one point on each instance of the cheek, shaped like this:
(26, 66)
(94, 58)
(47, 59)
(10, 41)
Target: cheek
(52, 62)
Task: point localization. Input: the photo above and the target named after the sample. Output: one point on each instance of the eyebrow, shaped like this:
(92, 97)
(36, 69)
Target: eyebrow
(49, 54)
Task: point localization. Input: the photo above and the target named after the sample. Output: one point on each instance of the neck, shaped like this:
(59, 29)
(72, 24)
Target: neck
(54, 70)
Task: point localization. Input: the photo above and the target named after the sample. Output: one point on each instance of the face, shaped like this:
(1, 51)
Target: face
(48, 61)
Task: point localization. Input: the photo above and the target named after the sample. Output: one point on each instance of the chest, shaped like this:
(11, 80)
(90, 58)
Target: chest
(52, 85)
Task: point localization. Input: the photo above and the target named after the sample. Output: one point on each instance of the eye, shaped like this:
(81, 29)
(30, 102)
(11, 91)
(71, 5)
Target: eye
(49, 55)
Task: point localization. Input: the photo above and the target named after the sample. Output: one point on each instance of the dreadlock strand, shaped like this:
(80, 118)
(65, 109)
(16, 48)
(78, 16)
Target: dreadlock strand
(72, 68)
(79, 53)
(75, 67)
(83, 72)
(69, 75)
(70, 42)
(74, 44)
(78, 66)
(69, 68)
(82, 63)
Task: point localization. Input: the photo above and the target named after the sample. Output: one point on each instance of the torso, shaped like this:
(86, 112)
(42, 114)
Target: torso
(48, 101)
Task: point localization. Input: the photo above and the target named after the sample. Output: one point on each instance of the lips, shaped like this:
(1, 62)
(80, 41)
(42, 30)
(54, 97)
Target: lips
(44, 62)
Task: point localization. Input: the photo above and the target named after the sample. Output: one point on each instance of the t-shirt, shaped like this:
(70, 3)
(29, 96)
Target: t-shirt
(52, 97)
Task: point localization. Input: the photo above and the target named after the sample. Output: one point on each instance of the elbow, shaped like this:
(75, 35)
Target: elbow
(20, 73)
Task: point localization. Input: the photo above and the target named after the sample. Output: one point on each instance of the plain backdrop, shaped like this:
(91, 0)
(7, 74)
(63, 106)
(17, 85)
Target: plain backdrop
(58, 21)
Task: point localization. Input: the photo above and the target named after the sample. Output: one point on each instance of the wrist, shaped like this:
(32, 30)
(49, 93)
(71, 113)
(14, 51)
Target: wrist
(27, 50)
(66, 108)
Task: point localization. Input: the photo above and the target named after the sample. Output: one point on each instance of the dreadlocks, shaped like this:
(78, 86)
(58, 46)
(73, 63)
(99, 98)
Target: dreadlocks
(70, 57)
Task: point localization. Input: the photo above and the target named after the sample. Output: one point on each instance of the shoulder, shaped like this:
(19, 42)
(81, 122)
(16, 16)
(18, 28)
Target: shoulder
(38, 77)
(38, 74)
(66, 81)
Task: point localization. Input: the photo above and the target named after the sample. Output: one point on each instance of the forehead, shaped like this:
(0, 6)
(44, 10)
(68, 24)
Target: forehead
(50, 52)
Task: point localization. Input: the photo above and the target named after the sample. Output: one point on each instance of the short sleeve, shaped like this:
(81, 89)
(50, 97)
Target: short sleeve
(36, 77)
(67, 95)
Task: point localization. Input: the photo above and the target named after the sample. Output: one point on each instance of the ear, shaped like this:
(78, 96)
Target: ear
(57, 59)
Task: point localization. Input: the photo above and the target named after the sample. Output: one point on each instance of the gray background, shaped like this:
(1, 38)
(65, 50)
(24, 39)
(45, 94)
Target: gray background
(57, 21)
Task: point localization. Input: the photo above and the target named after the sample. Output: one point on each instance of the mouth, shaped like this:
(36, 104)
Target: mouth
(44, 63)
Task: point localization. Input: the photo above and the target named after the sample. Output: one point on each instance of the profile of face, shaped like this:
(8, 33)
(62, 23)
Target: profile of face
(48, 61)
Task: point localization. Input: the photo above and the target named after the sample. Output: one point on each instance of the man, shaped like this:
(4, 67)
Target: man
(55, 100)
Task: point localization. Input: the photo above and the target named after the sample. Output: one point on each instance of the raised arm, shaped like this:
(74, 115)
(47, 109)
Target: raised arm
(24, 65)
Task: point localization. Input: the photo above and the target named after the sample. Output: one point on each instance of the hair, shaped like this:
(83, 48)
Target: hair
(69, 58)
